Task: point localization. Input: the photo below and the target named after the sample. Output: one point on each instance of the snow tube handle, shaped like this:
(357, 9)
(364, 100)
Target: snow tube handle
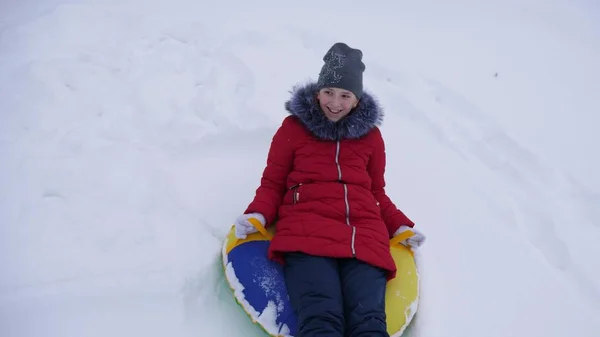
(401, 237)
(260, 228)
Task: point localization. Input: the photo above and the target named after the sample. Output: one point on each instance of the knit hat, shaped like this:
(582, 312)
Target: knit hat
(343, 68)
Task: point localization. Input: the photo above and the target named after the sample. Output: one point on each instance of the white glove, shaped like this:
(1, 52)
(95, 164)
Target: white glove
(243, 227)
(414, 241)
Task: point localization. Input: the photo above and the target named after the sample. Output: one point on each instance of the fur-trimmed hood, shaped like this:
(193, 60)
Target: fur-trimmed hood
(304, 105)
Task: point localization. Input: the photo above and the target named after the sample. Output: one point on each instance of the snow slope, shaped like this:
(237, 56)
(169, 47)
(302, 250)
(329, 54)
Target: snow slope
(133, 133)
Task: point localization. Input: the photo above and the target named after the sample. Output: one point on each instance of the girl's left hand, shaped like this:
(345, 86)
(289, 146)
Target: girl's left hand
(414, 241)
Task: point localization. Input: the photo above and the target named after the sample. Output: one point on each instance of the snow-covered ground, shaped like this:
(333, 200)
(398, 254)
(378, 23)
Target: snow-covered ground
(132, 133)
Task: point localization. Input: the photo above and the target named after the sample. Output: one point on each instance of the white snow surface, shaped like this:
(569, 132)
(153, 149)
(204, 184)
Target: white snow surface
(133, 132)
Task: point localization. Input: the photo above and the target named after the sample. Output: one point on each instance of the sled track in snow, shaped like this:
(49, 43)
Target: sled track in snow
(537, 192)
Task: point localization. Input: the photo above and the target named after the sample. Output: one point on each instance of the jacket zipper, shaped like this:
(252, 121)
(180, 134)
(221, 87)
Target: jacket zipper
(339, 168)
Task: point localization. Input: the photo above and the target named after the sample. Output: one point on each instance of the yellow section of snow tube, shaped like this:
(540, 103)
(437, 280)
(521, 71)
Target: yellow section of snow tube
(402, 292)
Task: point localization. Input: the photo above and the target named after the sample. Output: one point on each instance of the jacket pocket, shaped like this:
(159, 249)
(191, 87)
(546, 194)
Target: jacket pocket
(295, 193)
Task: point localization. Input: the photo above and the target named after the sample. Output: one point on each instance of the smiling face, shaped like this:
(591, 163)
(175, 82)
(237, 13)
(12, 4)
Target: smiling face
(336, 103)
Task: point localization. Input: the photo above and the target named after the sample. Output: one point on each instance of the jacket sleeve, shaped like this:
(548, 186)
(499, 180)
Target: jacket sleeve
(392, 216)
(269, 194)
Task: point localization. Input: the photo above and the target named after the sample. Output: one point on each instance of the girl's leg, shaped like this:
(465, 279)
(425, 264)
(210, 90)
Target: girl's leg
(313, 284)
(363, 287)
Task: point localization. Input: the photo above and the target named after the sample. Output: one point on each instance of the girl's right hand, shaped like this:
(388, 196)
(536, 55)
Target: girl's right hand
(244, 227)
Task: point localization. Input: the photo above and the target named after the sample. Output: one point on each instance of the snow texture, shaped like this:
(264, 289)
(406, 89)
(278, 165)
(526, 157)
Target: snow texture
(133, 133)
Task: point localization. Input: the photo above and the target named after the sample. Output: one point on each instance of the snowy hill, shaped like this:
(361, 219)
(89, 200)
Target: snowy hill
(133, 133)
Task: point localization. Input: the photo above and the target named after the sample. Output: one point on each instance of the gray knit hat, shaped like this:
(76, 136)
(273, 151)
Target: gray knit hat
(343, 68)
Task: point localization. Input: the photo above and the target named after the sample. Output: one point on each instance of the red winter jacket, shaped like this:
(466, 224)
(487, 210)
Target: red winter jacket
(324, 184)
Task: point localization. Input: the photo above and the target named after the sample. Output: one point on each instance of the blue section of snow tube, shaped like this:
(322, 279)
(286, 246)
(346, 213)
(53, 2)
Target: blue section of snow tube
(263, 281)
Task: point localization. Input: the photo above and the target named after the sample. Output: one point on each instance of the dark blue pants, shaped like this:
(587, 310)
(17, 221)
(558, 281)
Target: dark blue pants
(336, 297)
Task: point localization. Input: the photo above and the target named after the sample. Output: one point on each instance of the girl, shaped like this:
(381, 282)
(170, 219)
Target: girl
(324, 185)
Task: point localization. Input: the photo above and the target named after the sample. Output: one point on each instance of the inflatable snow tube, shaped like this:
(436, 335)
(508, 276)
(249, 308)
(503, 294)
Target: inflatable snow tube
(259, 288)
